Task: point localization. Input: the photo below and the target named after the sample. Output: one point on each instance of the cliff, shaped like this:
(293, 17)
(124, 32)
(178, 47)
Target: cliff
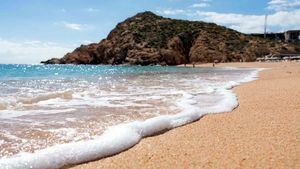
(147, 39)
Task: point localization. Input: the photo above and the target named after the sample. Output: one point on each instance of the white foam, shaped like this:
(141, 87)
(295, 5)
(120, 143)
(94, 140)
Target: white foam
(121, 137)
(8, 114)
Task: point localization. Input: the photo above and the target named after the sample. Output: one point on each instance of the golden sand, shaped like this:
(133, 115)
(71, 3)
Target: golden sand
(263, 132)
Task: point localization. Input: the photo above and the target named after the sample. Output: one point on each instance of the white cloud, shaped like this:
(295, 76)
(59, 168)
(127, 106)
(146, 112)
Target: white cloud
(172, 11)
(253, 23)
(295, 3)
(285, 16)
(73, 26)
(63, 10)
(30, 52)
(91, 10)
(282, 5)
(243, 23)
(285, 19)
(200, 5)
(188, 12)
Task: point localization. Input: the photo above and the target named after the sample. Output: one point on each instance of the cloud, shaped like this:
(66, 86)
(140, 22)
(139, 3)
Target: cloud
(200, 5)
(283, 5)
(278, 21)
(30, 52)
(172, 11)
(74, 26)
(91, 10)
(285, 16)
(253, 23)
(243, 23)
(63, 10)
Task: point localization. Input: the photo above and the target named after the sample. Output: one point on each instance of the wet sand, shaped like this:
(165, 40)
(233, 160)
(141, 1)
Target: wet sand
(263, 132)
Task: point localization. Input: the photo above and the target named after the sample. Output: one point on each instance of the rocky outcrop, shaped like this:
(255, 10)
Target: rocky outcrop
(148, 39)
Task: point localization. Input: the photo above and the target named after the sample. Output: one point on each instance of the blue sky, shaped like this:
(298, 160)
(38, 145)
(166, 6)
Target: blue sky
(34, 30)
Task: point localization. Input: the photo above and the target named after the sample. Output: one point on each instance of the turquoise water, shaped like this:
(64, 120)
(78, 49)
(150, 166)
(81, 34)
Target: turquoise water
(11, 71)
(43, 106)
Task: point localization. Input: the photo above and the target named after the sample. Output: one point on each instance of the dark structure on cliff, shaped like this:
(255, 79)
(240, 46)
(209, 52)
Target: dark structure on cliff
(287, 36)
(148, 39)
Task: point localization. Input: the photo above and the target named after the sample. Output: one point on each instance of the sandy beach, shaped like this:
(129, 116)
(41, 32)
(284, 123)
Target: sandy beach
(263, 132)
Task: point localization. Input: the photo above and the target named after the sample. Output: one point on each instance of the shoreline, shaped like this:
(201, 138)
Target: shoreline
(216, 135)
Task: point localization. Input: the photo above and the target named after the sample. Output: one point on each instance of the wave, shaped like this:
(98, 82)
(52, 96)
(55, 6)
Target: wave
(5, 104)
(48, 96)
(2, 106)
(122, 137)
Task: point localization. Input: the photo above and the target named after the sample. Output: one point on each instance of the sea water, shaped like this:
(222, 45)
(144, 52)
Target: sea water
(58, 115)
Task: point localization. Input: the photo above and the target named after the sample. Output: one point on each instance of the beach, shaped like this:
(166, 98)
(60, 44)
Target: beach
(262, 132)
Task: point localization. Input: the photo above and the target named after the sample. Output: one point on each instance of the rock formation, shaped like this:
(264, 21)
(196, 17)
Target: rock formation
(148, 39)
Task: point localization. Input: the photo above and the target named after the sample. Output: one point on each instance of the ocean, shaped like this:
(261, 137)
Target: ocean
(59, 115)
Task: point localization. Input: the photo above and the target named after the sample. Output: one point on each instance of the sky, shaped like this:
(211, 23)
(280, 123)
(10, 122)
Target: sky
(36, 30)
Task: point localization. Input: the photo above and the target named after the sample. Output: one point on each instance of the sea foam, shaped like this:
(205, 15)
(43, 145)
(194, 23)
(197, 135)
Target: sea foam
(121, 137)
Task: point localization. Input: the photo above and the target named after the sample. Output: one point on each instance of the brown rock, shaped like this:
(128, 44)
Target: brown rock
(52, 61)
(148, 39)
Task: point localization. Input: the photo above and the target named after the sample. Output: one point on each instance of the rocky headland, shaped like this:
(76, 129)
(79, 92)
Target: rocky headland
(148, 39)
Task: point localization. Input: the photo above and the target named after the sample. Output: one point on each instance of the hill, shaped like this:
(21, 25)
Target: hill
(148, 39)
